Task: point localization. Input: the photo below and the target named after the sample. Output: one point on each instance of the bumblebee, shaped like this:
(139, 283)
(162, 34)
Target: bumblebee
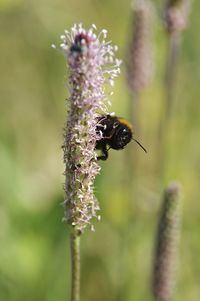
(115, 132)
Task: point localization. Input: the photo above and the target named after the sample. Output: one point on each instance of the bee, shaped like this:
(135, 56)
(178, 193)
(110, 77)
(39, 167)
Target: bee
(115, 133)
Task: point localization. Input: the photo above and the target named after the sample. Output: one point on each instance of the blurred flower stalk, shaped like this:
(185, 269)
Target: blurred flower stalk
(166, 245)
(140, 59)
(92, 65)
(139, 73)
(175, 21)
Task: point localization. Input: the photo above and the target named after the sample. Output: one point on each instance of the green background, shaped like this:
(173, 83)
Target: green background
(34, 243)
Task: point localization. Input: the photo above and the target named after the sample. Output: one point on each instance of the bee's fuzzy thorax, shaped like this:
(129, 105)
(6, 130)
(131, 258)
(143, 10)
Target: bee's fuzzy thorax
(126, 122)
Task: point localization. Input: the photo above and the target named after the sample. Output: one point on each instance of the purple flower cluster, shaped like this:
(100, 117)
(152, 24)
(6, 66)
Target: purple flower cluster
(91, 64)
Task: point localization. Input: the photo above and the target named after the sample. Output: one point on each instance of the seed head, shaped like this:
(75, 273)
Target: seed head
(175, 15)
(167, 244)
(140, 61)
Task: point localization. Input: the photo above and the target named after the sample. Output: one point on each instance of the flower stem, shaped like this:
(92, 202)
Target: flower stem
(174, 45)
(169, 105)
(75, 265)
(133, 159)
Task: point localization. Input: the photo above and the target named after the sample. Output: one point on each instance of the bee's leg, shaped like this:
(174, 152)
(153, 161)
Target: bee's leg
(104, 155)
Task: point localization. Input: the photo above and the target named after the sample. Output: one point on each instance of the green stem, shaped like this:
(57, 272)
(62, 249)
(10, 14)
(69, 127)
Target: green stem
(171, 67)
(134, 158)
(131, 157)
(75, 265)
(169, 88)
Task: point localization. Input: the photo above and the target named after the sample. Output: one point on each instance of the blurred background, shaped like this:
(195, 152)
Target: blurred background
(117, 257)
